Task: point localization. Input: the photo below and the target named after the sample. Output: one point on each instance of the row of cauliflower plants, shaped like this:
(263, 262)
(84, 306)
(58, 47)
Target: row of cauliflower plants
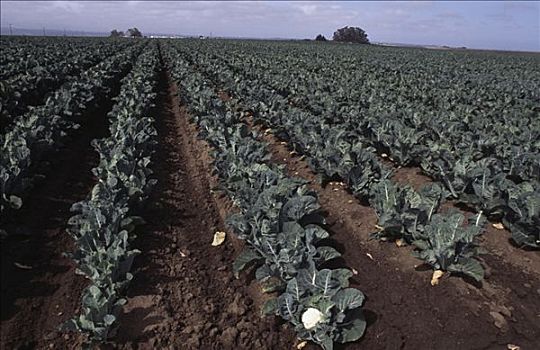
(32, 85)
(478, 137)
(24, 55)
(279, 219)
(104, 223)
(42, 129)
(445, 241)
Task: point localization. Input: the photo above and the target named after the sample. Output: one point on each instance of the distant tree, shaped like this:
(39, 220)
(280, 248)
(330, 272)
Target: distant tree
(115, 33)
(351, 35)
(320, 37)
(134, 33)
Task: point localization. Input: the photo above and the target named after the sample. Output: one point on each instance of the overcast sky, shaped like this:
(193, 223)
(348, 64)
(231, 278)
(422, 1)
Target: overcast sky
(483, 24)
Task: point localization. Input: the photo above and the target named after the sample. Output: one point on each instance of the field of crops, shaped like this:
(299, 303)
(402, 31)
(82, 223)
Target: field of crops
(235, 194)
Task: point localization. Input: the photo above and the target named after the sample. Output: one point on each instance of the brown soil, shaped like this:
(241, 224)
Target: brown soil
(44, 291)
(403, 310)
(184, 295)
(497, 243)
(410, 176)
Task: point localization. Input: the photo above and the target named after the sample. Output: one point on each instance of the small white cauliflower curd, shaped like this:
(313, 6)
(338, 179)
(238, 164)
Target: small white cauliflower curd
(311, 317)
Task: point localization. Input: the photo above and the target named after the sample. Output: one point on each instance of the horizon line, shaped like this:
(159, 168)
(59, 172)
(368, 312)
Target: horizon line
(106, 33)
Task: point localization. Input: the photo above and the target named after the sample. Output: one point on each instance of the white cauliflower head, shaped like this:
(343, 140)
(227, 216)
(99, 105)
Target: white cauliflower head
(311, 317)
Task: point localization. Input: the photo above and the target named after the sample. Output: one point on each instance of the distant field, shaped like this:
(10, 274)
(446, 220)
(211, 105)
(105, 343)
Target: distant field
(241, 194)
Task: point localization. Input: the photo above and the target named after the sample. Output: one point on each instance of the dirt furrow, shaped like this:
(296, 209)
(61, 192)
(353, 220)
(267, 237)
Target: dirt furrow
(184, 295)
(403, 310)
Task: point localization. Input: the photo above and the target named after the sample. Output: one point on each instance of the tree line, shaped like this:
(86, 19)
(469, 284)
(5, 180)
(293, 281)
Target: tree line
(131, 32)
(347, 35)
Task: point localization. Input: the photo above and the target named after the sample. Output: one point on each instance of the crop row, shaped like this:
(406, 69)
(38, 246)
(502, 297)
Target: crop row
(29, 55)
(42, 129)
(442, 240)
(104, 223)
(462, 149)
(279, 219)
(30, 87)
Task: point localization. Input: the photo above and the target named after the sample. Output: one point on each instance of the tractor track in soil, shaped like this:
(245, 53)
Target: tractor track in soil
(184, 295)
(403, 310)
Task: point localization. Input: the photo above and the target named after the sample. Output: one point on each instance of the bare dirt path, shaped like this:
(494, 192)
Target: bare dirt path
(403, 310)
(184, 295)
(40, 289)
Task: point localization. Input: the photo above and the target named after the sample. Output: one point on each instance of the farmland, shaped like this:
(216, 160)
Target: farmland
(235, 194)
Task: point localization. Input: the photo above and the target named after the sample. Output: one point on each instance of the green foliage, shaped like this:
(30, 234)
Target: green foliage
(33, 72)
(335, 309)
(524, 217)
(468, 120)
(134, 33)
(39, 132)
(103, 225)
(95, 319)
(402, 211)
(446, 244)
(279, 219)
(116, 34)
(475, 132)
(351, 35)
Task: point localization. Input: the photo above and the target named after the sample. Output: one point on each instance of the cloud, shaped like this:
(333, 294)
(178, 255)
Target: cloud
(69, 6)
(308, 9)
(397, 12)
